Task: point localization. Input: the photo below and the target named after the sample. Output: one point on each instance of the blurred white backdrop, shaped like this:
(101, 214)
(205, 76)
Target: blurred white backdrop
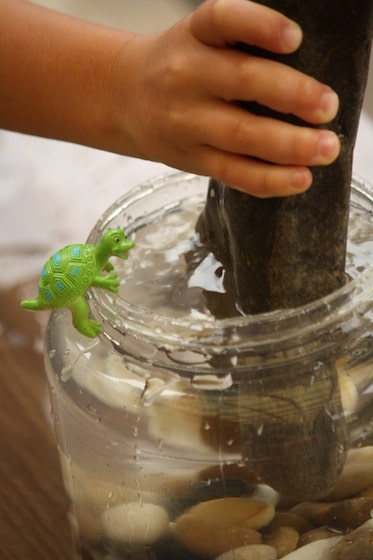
(52, 193)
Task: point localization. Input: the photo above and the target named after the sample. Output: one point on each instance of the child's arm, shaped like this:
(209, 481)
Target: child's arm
(169, 97)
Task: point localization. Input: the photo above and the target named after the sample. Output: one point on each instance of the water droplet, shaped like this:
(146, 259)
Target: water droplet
(136, 454)
(234, 361)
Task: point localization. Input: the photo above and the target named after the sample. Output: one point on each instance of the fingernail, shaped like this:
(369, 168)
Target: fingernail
(300, 180)
(329, 104)
(292, 37)
(328, 145)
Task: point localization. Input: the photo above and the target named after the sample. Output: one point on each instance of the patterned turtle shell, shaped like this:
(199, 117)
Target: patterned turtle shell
(67, 274)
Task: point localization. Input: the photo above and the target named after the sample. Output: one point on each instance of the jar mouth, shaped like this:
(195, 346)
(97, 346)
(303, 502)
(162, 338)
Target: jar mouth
(120, 317)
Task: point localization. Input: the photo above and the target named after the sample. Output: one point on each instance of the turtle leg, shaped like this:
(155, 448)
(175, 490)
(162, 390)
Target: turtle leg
(32, 304)
(80, 312)
(108, 282)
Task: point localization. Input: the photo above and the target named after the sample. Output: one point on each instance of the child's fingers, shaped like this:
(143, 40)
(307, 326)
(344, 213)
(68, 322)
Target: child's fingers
(220, 23)
(236, 76)
(258, 178)
(237, 131)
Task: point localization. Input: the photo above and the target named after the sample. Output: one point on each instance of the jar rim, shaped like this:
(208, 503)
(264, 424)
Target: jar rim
(318, 316)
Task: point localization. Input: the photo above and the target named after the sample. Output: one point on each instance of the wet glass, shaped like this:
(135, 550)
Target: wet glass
(186, 437)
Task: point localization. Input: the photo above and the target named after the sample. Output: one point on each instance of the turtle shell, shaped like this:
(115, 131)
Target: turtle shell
(66, 275)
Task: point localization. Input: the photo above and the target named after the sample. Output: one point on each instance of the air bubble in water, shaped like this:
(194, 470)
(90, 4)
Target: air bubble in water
(260, 429)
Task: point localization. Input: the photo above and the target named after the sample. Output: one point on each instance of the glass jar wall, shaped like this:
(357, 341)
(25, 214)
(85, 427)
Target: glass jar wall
(186, 437)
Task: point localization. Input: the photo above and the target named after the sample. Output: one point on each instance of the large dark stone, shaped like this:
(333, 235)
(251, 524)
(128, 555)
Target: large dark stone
(286, 252)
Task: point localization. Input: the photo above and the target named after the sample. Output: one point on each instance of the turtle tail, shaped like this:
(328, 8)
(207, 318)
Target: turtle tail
(32, 304)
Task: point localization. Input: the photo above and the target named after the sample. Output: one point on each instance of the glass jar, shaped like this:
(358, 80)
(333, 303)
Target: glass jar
(184, 437)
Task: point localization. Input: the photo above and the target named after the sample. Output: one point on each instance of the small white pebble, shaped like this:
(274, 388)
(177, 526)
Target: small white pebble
(135, 523)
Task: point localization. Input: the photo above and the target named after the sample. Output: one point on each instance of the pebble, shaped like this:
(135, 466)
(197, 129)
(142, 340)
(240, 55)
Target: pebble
(289, 519)
(314, 512)
(318, 550)
(266, 494)
(343, 516)
(213, 527)
(316, 534)
(135, 523)
(349, 514)
(357, 474)
(206, 490)
(356, 545)
(283, 539)
(250, 552)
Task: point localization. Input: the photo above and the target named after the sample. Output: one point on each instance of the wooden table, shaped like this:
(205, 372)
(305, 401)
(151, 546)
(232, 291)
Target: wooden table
(33, 506)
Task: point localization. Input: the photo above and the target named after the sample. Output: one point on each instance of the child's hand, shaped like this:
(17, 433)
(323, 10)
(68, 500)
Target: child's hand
(180, 105)
(169, 97)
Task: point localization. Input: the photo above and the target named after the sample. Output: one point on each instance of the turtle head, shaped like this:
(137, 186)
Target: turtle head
(116, 243)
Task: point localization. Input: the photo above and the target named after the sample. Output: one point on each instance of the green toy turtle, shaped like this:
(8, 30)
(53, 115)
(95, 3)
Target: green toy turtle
(68, 274)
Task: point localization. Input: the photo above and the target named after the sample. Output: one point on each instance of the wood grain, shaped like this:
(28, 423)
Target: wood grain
(33, 506)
